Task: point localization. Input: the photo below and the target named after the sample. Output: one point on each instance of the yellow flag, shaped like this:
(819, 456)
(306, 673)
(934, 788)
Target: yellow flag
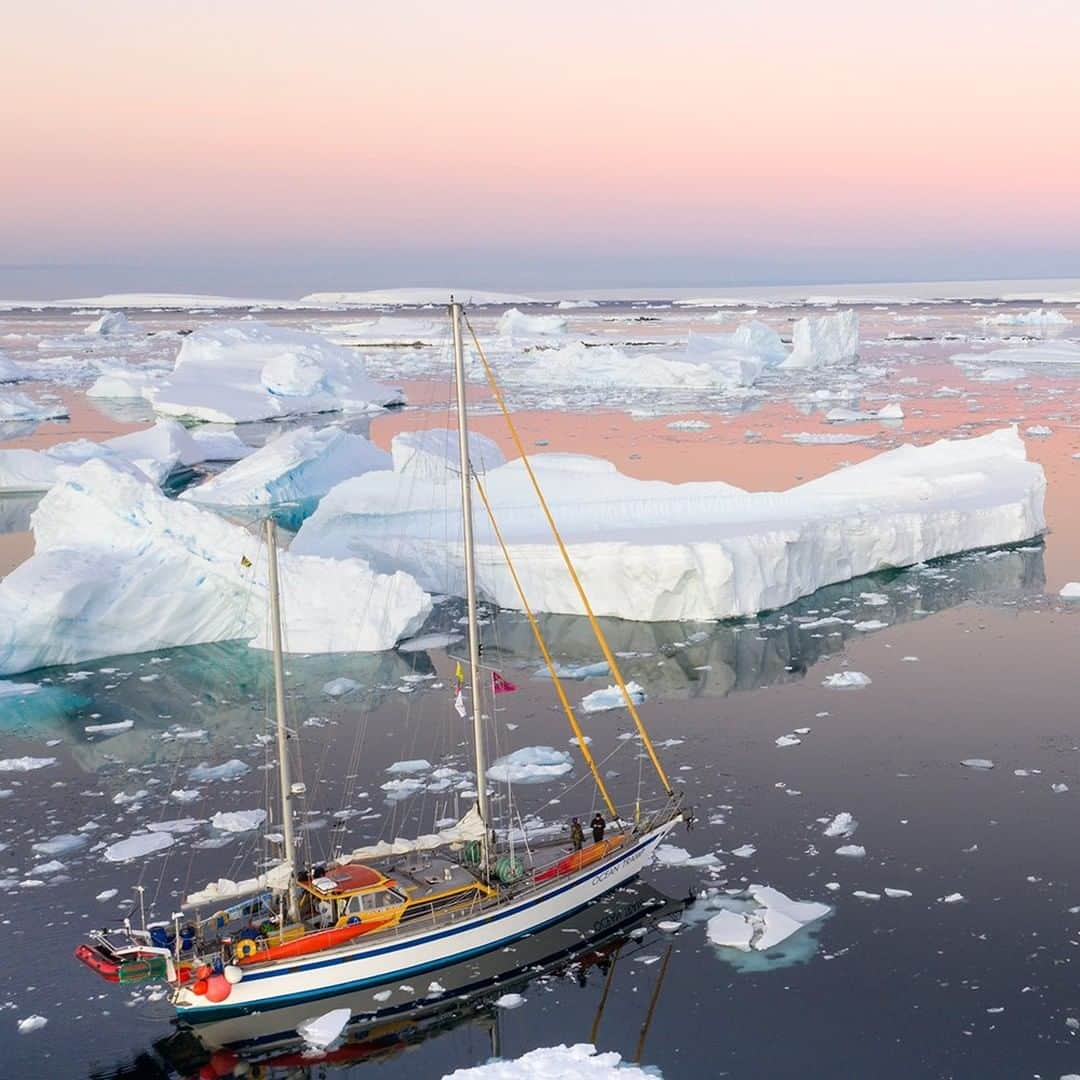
(245, 562)
(458, 673)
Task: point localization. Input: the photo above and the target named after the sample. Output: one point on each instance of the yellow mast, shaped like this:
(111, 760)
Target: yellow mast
(609, 656)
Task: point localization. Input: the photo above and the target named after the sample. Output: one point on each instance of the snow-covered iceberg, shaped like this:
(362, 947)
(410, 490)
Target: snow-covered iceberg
(824, 341)
(654, 551)
(235, 372)
(119, 568)
(156, 451)
(299, 466)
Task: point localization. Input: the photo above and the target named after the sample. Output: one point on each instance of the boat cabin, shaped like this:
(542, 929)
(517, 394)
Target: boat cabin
(352, 892)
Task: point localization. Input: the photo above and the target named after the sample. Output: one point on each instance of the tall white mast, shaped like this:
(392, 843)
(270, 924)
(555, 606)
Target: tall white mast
(470, 579)
(279, 702)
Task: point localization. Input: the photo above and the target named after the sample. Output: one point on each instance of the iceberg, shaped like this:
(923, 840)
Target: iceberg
(119, 568)
(298, 466)
(531, 765)
(654, 551)
(824, 342)
(515, 325)
(111, 324)
(155, 451)
(15, 406)
(236, 372)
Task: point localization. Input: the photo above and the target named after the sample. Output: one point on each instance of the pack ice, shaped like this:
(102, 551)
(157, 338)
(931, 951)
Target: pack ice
(298, 466)
(654, 551)
(234, 372)
(119, 568)
(156, 451)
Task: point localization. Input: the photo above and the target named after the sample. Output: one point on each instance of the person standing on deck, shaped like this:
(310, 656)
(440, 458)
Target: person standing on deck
(577, 834)
(598, 825)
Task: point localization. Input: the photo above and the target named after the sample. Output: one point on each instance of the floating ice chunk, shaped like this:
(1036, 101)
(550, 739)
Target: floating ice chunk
(1038, 431)
(570, 305)
(59, 845)
(671, 855)
(892, 411)
(656, 552)
(433, 453)
(109, 729)
(111, 324)
(788, 740)
(299, 466)
(841, 825)
(977, 763)
(25, 764)
(428, 641)
(612, 698)
(852, 851)
(744, 852)
(531, 765)
(15, 406)
(107, 894)
(405, 767)
(340, 686)
(861, 894)
(235, 821)
(144, 571)
(509, 1001)
(382, 995)
(730, 930)
(824, 342)
(581, 1061)
(31, 1023)
(386, 330)
(869, 625)
(184, 795)
(897, 894)
(18, 689)
(800, 911)
(846, 680)
(1071, 591)
(1049, 352)
(689, 425)
(874, 599)
(1059, 789)
(403, 788)
(516, 325)
(227, 770)
(824, 438)
(1040, 317)
(243, 371)
(321, 1031)
(953, 898)
(138, 845)
(11, 372)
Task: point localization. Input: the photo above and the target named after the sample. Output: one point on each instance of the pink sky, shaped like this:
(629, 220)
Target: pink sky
(778, 129)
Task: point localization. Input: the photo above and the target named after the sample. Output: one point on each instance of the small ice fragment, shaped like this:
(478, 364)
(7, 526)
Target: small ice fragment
(852, 851)
(860, 895)
(846, 680)
(669, 926)
(841, 825)
(897, 894)
(953, 898)
(977, 763)
(108, 894)
(744, 852)
(788, 740)
(1070, 591)
(229, 770)
(382, 995)
(509, 1001)
(31, 1023)
(340, 687)
(320, 1031)
(1059, 789)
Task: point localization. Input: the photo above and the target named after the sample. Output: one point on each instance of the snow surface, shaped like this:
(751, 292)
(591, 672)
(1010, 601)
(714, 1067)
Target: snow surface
(145, 572)
(581, 1061)
(156, 451)
(298, 466)
(654, 551)
(235, 372)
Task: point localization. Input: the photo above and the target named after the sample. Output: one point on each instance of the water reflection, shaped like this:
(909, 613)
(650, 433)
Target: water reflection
(586, 948)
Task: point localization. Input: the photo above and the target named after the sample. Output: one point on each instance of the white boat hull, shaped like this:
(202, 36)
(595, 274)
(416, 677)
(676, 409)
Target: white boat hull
(392, 957)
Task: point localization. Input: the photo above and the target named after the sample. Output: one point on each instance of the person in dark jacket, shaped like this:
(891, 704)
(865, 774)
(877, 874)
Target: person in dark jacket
(598, 825)
(577, 834)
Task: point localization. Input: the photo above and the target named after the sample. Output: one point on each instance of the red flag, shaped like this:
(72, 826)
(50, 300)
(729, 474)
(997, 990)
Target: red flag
(499, 685)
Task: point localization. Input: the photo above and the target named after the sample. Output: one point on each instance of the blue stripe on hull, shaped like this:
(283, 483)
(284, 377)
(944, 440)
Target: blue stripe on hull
(201, 1015)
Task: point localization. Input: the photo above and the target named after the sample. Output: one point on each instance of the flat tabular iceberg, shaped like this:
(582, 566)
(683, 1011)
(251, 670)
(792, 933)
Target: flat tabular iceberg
(654, 551)
(119, 568)
(297, 466)
(234, 372)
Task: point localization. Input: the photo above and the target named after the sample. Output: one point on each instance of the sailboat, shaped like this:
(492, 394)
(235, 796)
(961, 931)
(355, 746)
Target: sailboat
(301, 931)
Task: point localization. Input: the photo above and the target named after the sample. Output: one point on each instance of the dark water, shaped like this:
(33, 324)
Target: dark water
(886, 988)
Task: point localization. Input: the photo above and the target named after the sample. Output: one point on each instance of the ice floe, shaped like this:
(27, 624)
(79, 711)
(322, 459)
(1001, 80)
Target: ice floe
(16, 406)
(846, 680)
(581, 1061)
(143, 572)
(768, 919)
(299, 466)
(654, 551)
(25, 764)
(156, 451)
(138, 846)
(531, 765)
(612, 698)
(237, 821)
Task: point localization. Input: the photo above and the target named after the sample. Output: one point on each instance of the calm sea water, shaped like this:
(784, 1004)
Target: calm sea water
(978, 659)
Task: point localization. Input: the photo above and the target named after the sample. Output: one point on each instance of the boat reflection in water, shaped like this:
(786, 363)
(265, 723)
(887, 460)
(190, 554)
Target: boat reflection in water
(388, 1018)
